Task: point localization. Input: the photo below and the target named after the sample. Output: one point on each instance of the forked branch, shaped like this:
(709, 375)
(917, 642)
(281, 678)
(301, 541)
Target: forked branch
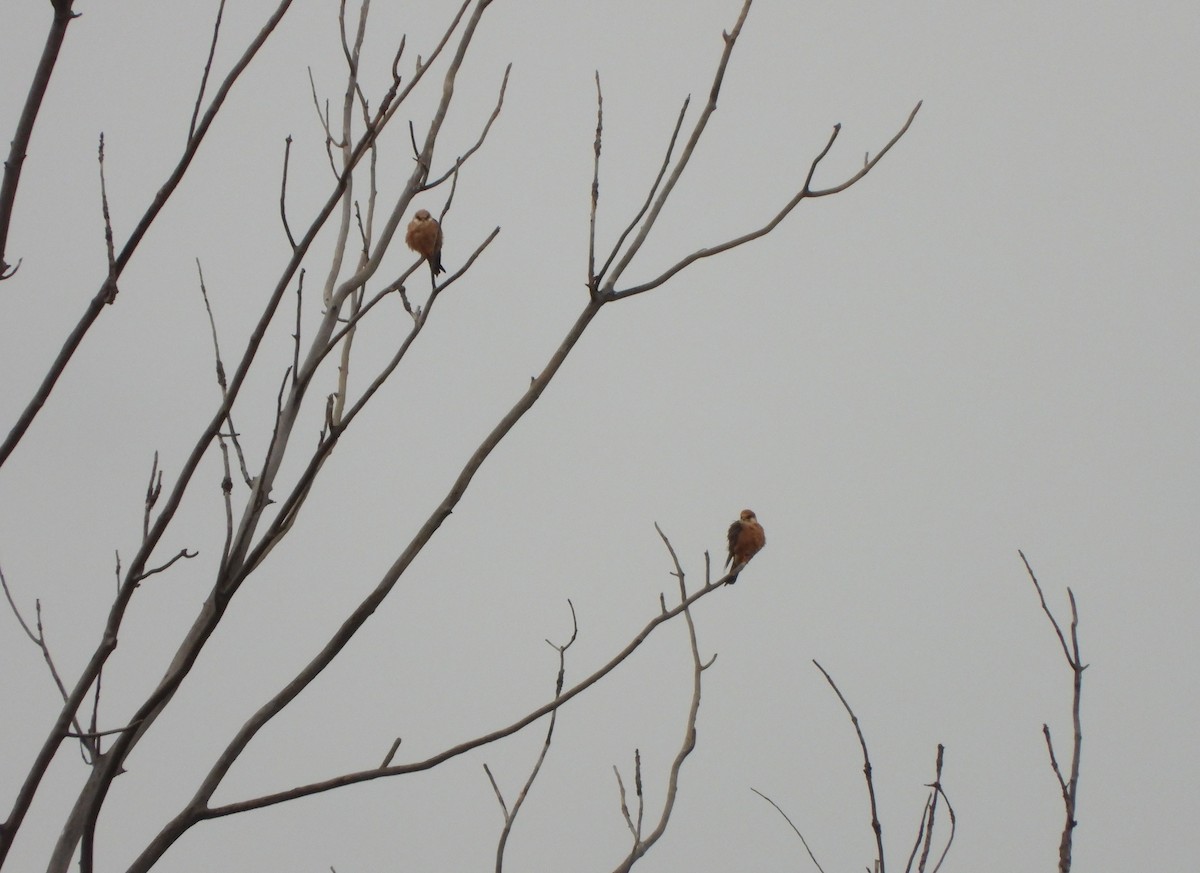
(1068, 785)
(510, 815)
(38, 638)
(198, 809)
(805, 193)
(925, 830)
(643, 844)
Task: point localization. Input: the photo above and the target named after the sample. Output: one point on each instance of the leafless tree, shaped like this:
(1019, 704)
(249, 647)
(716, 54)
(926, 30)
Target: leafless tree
(920, 853)
(263, 498)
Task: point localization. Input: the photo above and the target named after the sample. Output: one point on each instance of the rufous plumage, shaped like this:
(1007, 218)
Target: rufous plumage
(746, 538)
(425, 238)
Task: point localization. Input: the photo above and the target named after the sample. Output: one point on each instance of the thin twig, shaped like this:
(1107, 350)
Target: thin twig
(1062, 641)
(222, 383)
(625, 806)
(953, 827)
(912, 856)
(803, 841)
(500, 799)
(183, 553)
(867, 771)
(936, 787)
(387, 759)
(593, 286)
(226, 495)
(212, 50)
(287, 153)
(153, 490)
(296, 336)
(16, 612)
(91, 735)
(111, 281)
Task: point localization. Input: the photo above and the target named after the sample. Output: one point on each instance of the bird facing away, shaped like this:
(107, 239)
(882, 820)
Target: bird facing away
(746, 537)
(425, 238)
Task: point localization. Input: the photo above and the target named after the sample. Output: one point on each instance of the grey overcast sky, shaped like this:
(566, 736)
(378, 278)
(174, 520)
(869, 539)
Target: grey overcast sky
(989, 344)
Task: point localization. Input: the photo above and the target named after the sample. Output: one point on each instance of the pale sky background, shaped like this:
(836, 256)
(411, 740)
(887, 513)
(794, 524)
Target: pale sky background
(989, 344)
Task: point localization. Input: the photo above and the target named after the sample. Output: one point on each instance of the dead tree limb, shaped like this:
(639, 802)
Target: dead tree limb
(101, 299)
(19, 146)
(1068, 785)
(868, 773)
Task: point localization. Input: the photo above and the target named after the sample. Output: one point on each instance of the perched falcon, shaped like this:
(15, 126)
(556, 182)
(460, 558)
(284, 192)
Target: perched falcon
(746, 537)
(425, 238)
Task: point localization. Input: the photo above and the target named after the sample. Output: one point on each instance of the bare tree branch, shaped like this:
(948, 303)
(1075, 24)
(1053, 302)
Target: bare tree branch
(101, 298)
(111, 281)
(478, 144)
(19, 146)
(38, 638)
(91, 796)
(183, 553)
(1069, 786)
(925, 834)
(97, 734)
(287, 229)
(153, 490)
(684, 156)
(805, 193)
(353, 96)
(197, 809)
(222, 382)
(633, 222)
(510, 816)
(803, 841)
(867, 772)
(595, 199)
(625, 806)
(323, 118)
(212, 50)
(642, 845)
(953, 826)
(1062, 640)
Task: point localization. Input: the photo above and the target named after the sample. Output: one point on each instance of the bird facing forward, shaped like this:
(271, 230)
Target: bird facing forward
(746, 537)
(425, 238)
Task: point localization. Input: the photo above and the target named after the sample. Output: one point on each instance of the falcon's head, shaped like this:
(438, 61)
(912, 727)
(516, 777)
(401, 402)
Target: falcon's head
(422, 215)
(748, 516)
